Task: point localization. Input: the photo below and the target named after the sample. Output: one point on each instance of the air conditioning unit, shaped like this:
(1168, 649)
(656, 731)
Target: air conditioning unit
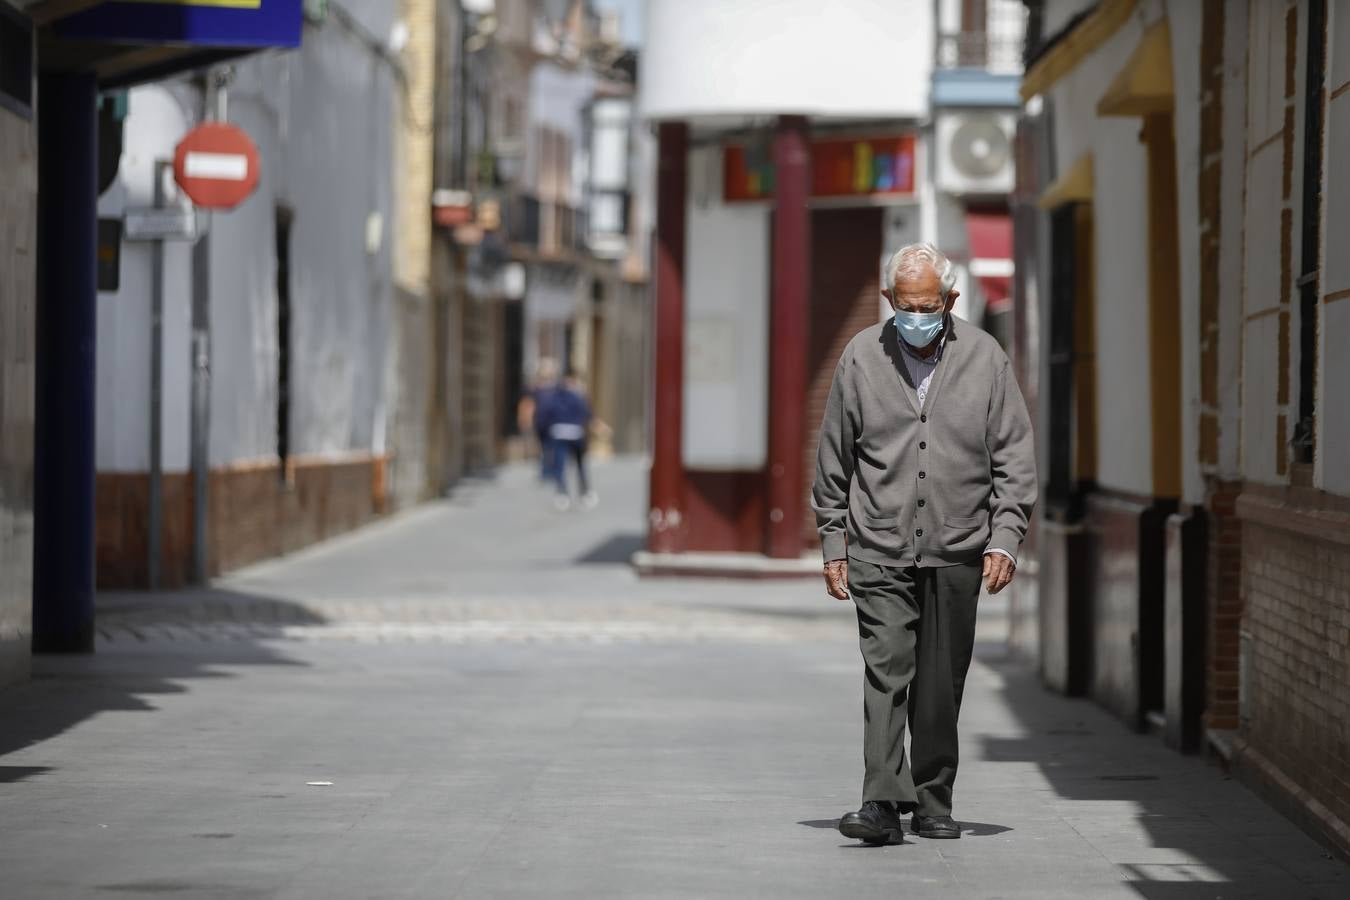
(974, 152)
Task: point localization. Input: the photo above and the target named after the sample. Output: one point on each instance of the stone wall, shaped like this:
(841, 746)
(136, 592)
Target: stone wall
(18, 244)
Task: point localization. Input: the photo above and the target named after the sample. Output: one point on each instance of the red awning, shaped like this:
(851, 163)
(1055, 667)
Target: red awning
(990, 236)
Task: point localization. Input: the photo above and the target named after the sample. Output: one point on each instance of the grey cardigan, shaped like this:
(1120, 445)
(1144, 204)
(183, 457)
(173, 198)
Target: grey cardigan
(930, 487)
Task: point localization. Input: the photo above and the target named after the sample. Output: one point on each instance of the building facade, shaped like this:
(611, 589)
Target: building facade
(554, 265)
(60, 140)
(1179, 214)
(781, 190)
(326, 403)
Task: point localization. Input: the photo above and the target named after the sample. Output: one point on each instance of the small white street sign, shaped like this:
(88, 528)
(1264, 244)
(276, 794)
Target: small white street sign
(171, 223)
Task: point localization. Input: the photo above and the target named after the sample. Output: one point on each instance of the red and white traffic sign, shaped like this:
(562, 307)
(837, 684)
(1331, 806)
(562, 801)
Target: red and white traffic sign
(216, 165)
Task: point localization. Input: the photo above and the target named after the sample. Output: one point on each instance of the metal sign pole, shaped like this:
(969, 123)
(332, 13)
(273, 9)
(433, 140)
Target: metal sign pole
(201, 399)
(199, 450)
(155, 493)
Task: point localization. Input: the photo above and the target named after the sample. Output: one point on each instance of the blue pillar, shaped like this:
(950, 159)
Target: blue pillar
(63, 479)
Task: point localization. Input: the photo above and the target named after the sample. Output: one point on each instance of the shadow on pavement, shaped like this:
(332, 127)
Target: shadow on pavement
(139, 662)
(11, 774)
(617, 549)
(970, 829)
(1197, 834)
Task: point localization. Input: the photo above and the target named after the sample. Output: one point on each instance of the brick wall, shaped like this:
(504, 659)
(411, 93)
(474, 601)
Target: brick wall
(1224, 586)
(1296, 584)
(121, 525)
(254, 514)
(845, 299)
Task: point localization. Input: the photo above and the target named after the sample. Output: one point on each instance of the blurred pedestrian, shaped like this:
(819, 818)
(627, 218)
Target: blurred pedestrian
(569, 419)
(530, 414)
(925, 480)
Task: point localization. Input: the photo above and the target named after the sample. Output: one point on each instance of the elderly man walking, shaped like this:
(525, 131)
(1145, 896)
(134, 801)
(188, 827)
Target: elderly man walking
(925, 480)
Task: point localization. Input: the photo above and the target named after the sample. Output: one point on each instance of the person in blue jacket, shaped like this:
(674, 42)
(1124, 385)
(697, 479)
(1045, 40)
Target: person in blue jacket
(566, 414)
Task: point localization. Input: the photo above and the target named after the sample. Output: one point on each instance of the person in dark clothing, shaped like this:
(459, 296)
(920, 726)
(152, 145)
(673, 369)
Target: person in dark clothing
(567, 413)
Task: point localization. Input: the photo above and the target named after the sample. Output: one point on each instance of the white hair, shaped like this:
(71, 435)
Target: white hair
(910, 261)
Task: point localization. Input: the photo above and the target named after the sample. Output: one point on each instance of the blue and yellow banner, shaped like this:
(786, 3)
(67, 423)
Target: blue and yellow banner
(232, 4)
(243, 24)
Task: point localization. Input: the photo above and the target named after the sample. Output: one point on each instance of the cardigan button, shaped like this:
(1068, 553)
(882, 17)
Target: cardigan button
(921, 475)
(923, 418)
(923, 445)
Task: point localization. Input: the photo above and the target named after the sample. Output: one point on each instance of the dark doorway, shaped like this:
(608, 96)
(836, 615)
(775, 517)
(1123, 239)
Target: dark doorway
(1308, 306)
(284, 217)
(513, 362)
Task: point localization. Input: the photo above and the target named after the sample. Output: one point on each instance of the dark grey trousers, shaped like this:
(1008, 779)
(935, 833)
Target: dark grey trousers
(916, 628)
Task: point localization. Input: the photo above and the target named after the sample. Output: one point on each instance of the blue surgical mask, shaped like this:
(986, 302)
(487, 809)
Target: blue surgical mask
(918, 329)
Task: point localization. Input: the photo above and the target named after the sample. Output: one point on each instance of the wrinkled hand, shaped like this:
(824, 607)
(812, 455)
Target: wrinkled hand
(836, 578)
(998, 572)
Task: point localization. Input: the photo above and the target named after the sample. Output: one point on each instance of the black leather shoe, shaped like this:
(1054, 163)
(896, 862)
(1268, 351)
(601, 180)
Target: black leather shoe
(941, 827)
(875, 823)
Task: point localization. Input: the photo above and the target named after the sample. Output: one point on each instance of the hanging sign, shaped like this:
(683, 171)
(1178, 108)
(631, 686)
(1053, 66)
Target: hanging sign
(840, 168)
(216, 165)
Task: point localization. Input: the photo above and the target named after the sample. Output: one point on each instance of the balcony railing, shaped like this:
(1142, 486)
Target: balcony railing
(990, 39)
(1001, 54)
(551, 229)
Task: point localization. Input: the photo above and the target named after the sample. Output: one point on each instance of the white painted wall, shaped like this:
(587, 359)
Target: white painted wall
(1185, 21)
(1331, 472)
(158, 116)
(726, 323)
(1120, 169)
(1124, 417)
(321, 117)
(1232, 282)
(846, 58)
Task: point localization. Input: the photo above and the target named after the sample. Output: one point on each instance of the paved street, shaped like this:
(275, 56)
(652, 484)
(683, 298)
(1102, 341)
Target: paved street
(478, 699)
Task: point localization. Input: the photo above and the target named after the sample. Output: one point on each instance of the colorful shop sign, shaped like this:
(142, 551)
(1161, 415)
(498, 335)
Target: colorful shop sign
(840, 168)
(197, 23)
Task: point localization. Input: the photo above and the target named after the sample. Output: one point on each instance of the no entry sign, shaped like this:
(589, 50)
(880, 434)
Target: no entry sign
(216, 165)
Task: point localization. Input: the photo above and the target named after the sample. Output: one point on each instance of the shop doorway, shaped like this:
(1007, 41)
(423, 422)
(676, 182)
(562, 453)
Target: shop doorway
(845, 299)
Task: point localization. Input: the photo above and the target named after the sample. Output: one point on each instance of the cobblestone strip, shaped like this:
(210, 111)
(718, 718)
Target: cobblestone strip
(456, 622)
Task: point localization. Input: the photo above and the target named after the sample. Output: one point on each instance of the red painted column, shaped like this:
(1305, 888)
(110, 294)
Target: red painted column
(789, 321)
(665, 520)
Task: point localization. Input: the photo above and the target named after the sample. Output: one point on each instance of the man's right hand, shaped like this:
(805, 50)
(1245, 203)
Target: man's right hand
(836, 578)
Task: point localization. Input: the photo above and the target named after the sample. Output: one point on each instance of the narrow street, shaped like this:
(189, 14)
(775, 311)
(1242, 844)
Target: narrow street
(479, 699)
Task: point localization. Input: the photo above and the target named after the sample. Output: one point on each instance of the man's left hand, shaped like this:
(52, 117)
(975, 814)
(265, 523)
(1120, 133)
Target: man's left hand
(998, 572)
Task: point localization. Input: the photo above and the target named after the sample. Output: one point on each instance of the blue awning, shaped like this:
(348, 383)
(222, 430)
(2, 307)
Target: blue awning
(252, 24)
(125, 42)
